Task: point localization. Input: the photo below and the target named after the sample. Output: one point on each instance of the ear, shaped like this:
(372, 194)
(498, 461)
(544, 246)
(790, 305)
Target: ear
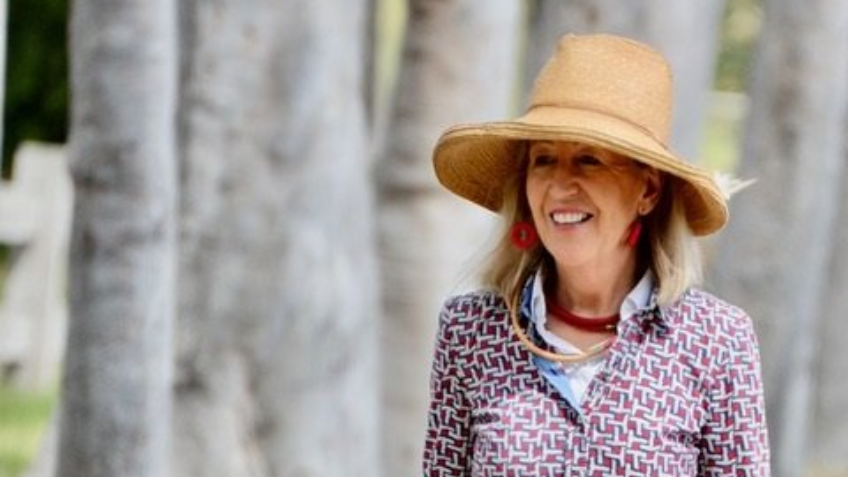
(654, 180)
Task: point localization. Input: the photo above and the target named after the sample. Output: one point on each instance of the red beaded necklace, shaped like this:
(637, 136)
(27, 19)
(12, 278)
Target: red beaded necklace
(583, 323)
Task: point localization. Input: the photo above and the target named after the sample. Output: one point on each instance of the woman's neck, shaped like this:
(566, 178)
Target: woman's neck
(593, 290)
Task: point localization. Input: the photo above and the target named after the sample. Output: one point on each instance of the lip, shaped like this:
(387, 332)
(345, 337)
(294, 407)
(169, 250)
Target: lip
(569, 217)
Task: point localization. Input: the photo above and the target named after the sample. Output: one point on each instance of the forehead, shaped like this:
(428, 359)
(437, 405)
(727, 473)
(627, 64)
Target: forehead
(571, 147)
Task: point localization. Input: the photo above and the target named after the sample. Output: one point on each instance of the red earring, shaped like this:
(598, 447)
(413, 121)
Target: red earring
(634, 234)
(523, 235)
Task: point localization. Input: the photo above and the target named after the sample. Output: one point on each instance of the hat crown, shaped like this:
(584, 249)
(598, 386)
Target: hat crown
(609, 75)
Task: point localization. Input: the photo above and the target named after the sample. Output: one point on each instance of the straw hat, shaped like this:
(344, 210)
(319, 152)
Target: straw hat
(602, 90)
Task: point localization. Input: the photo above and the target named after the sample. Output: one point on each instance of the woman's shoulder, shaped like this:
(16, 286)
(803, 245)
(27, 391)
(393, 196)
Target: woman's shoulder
(703, 301)
(474, 304)
(701, 310)
(468, 317)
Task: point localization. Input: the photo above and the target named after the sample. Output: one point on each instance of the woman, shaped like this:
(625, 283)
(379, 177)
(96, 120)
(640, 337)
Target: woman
(592, 353)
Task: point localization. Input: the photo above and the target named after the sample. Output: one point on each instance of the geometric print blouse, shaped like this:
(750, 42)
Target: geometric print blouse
(680, 394)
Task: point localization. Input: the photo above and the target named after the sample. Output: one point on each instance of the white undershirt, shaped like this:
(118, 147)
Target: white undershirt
(580, 374)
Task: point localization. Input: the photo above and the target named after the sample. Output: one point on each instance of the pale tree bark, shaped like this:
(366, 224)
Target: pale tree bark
(278, 309)
(773, 258)
(369, 62)
(687, 33)
(830, 438)
(458, 65)
(115, 405)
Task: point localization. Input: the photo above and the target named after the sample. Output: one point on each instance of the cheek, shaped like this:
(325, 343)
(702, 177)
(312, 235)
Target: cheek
(627, 194)
(535, 212)
(617, 204)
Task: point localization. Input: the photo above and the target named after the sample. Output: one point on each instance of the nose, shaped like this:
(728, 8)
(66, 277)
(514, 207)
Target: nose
(565, 177)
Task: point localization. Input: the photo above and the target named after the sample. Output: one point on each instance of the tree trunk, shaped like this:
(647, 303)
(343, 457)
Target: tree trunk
(830, 438)
(278, 310)
(115, 405)
(686, 32)
(773, 258)
(458, 65)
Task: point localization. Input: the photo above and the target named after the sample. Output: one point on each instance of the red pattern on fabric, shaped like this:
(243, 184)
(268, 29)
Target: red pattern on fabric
(679, 395)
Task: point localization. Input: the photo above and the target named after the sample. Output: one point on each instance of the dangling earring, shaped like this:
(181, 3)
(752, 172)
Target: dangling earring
(634, 234)
(523, 235)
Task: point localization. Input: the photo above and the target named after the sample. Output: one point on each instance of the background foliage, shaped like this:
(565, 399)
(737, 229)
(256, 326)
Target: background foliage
(23, 416)
(36, 105)
(741, 26)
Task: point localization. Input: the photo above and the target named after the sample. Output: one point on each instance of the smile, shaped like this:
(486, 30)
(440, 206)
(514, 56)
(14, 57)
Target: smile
(570, 218)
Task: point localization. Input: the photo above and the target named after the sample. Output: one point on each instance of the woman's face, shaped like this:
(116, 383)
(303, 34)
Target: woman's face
(584, 200)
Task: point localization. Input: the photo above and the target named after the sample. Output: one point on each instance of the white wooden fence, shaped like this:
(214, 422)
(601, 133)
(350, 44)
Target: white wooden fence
(35, 221)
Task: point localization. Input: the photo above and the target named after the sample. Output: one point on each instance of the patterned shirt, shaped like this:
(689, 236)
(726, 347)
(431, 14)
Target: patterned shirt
(679, 394)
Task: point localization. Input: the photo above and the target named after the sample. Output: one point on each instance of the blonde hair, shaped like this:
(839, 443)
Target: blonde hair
(669, 249)
(674, 253)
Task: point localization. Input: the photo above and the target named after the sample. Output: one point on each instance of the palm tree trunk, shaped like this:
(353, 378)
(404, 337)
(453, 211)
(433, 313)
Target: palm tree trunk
(458, 65)
(830, 439)
(278, 307)
(115, 404)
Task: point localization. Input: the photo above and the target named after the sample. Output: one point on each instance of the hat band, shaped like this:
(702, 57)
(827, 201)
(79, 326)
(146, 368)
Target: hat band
(585, 107)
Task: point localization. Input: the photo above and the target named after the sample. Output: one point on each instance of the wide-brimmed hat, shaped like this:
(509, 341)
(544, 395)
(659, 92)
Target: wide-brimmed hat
(602, 90)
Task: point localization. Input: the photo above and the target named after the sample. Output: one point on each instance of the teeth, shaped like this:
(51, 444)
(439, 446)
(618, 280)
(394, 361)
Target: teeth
(565, 218)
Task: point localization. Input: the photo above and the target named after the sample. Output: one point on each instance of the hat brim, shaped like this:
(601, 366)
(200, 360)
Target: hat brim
(475, 161)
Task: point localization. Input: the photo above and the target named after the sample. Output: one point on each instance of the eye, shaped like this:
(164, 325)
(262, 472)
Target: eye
(587, 160)
(543, 159)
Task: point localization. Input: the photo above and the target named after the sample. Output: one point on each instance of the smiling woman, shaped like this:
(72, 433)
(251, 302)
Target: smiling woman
(592, 351)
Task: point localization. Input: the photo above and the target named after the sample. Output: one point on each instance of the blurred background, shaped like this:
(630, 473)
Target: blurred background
(223, 249)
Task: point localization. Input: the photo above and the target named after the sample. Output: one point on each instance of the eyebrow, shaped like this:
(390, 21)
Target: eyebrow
(541, 144)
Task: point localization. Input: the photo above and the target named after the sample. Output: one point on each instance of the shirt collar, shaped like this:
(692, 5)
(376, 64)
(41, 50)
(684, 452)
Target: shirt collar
(642, 298)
